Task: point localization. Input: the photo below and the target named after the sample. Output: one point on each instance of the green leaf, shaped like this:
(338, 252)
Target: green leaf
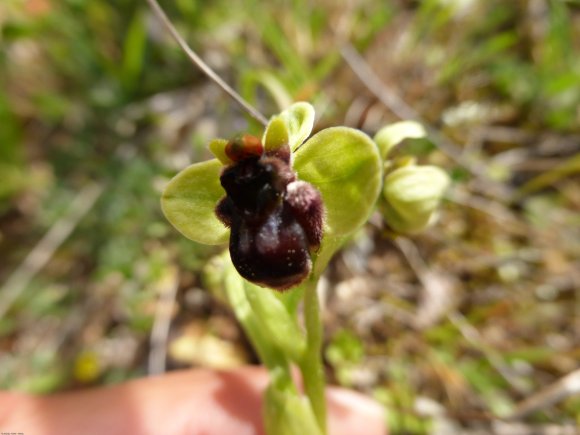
(391, 135)
(134, 52)
(189, 201)
(272, 84)
(345, 166)
(285, 411)
(299, 120)
(276, 321)
(234, 285)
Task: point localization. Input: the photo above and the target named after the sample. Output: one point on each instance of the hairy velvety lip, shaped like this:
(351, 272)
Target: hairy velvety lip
(275, 221)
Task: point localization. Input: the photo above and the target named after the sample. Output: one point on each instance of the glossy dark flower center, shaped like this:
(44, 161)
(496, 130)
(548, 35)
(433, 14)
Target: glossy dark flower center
(275, 221)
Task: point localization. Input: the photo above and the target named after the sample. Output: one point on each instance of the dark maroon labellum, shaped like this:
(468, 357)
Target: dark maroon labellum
(275, 220)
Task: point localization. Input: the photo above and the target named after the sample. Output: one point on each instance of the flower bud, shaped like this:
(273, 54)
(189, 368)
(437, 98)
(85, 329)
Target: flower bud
(412, 195)
(391, 135)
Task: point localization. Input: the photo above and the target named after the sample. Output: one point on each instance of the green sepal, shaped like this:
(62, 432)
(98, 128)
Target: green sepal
(218, 149)
(345, 166)
(189, 202)
(390, 136)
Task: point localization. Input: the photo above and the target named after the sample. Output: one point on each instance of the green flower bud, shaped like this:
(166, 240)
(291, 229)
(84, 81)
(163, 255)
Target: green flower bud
(412, 195)
(391, 135)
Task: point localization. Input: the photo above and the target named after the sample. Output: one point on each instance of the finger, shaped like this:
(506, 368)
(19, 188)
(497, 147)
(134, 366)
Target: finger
(192, 402)
(352, 413)
(189, 402)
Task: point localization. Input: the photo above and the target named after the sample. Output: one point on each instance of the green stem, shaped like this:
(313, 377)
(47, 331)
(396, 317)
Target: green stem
(311, 365)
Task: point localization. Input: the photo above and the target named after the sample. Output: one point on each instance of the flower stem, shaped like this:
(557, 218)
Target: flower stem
(311, 366)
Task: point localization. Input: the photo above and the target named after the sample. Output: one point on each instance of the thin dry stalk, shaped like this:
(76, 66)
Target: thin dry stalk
(205, 68)
(404, 111)
(46, 247)
(162, 322)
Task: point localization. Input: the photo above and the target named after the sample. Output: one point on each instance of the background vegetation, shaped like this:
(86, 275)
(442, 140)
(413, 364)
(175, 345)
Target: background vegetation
(99, 108)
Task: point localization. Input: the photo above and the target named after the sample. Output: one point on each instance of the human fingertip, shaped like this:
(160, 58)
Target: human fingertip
(354, 413)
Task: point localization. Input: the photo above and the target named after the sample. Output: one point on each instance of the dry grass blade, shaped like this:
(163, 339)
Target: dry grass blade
(563, 388)
(159, 333)
(46, 247)
(404, 111)
(396, 104)
(437, 301)
(437, 296)
(197, 61)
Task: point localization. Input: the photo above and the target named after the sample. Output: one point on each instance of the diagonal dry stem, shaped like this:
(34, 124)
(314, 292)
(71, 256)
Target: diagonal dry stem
(197, 61)
(404, 111)
(47, 246)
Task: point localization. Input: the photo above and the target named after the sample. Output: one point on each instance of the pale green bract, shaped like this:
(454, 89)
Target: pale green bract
(342, 163)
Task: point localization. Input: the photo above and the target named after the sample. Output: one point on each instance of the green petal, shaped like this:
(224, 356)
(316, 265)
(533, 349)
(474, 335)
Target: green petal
(393, 134)
(344, 164)
(299, 120)
(189, 201)
(218, 149)
(276, 135)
